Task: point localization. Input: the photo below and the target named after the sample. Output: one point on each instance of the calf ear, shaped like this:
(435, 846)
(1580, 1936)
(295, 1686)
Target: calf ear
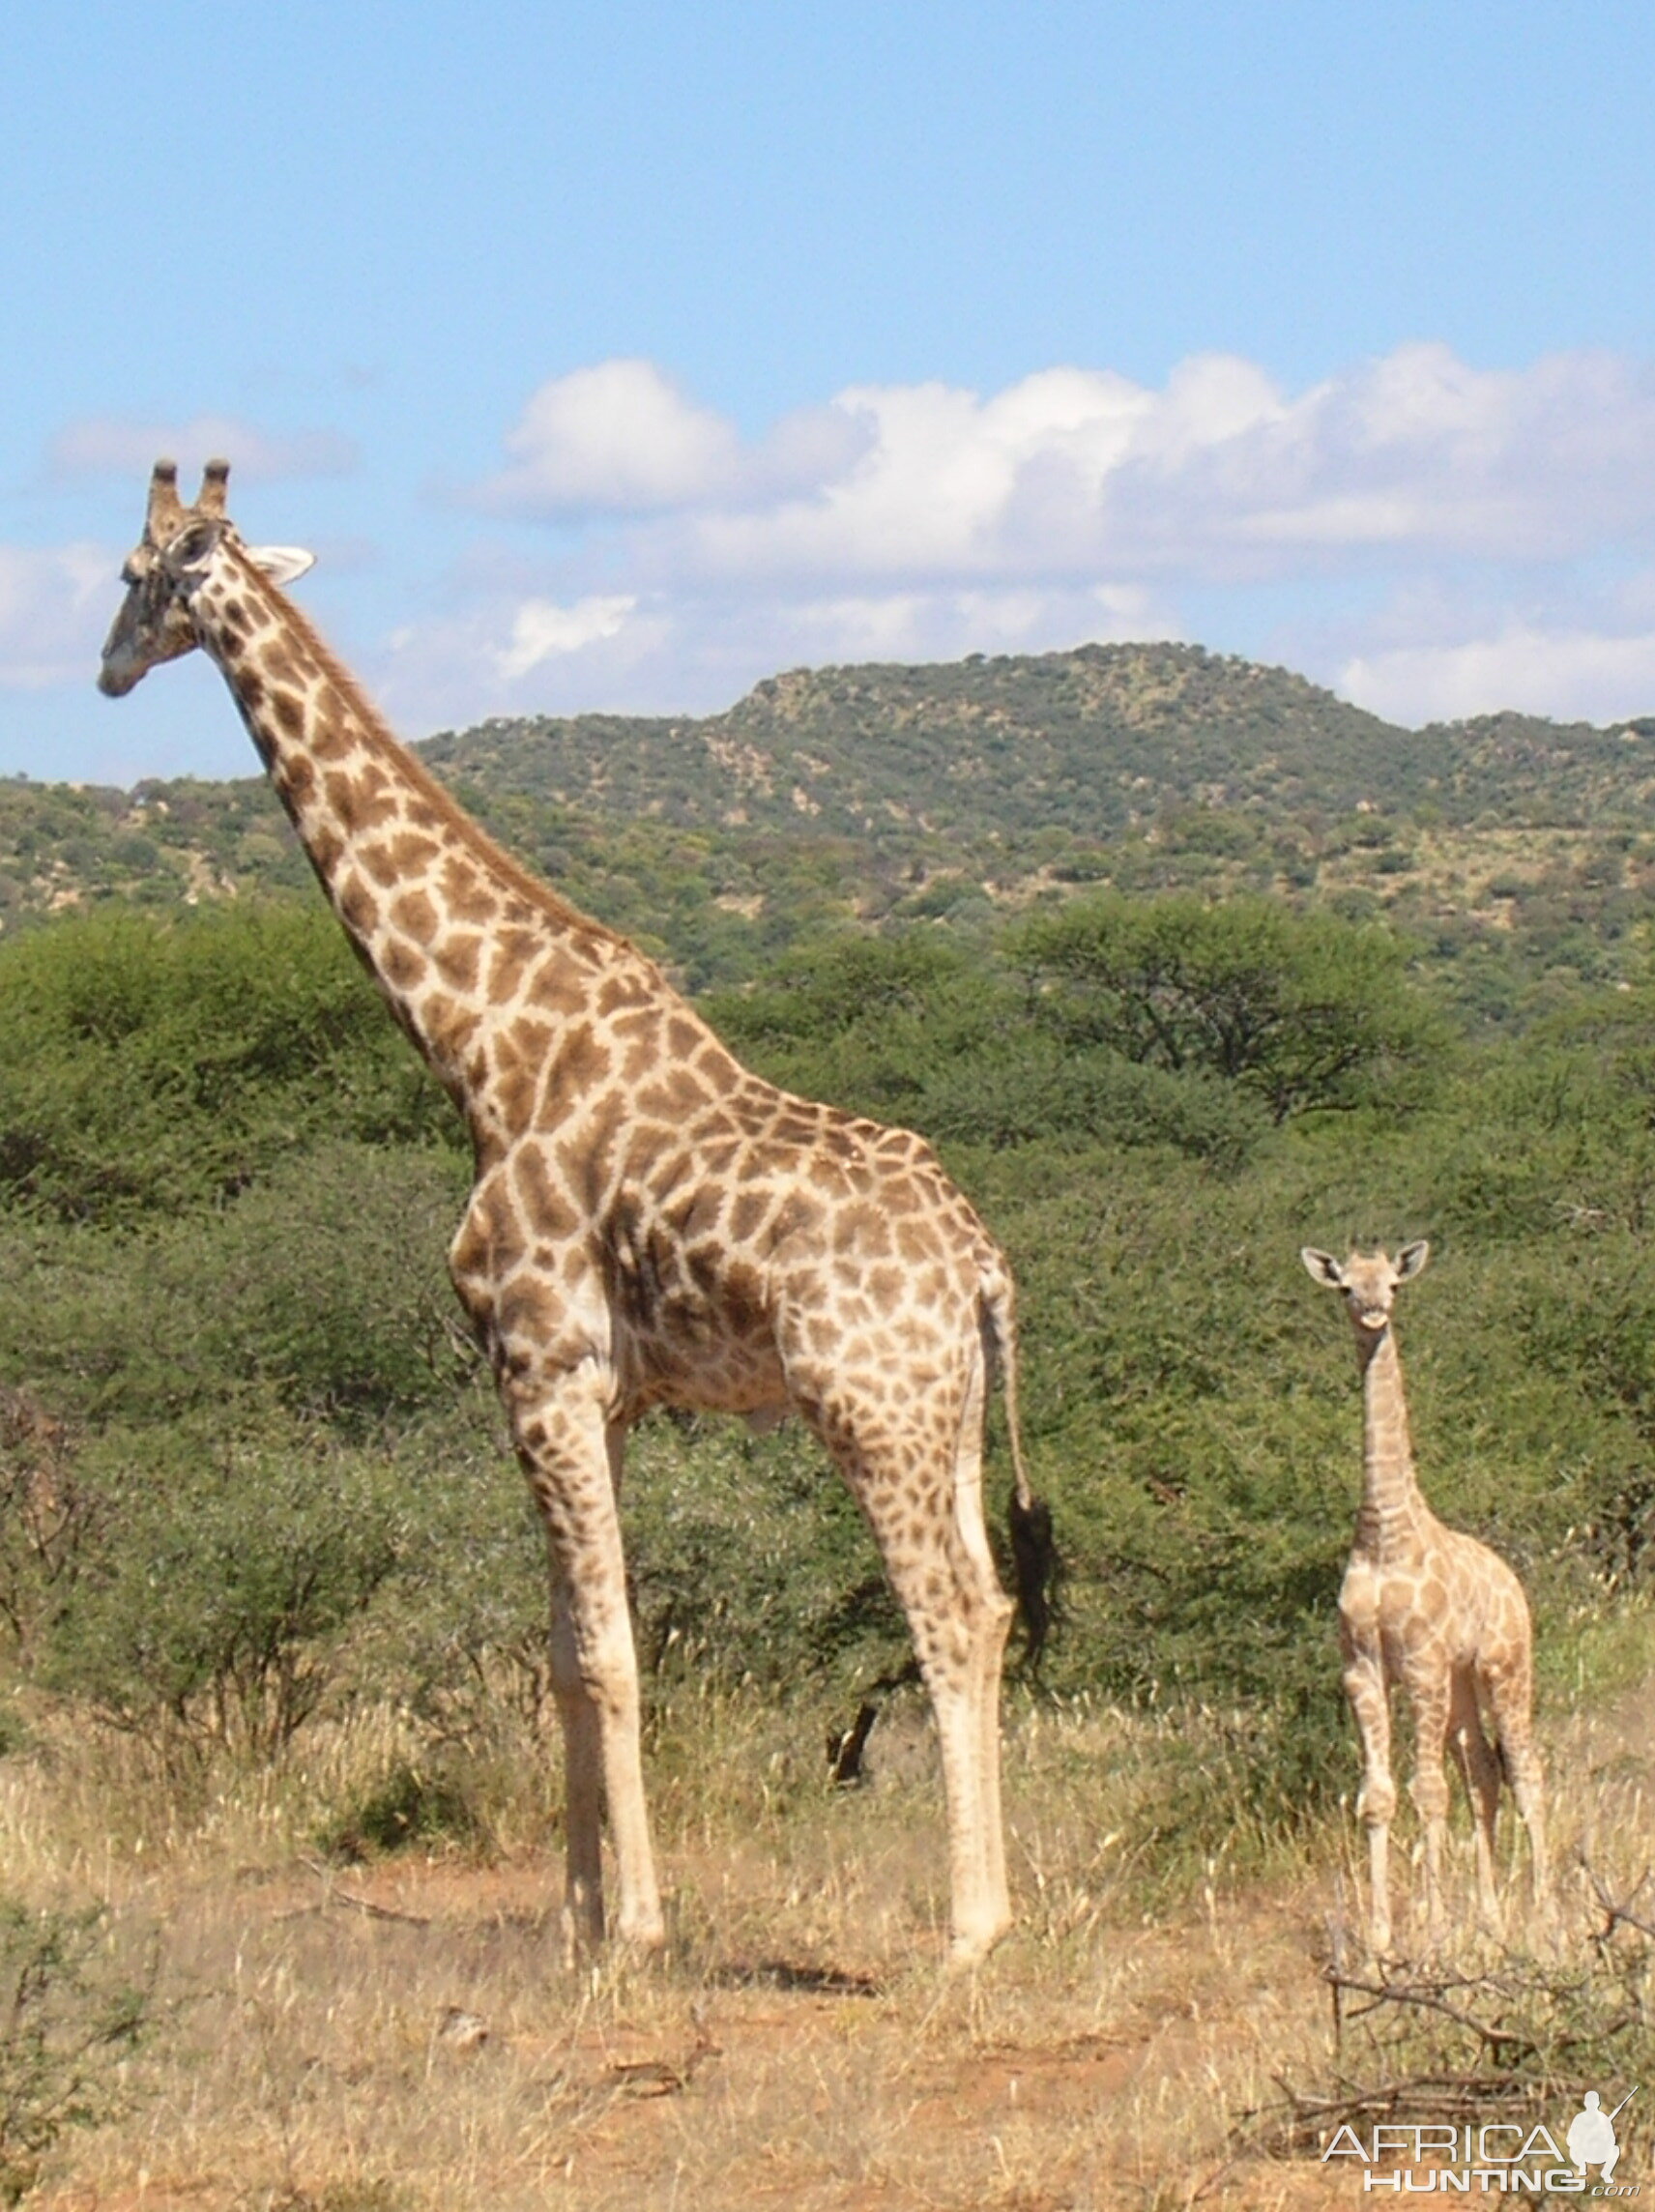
(1323, 1268)
(1411, 1260)
(281, 564)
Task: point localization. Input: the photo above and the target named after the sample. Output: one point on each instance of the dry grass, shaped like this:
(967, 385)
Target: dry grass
(404, 2035)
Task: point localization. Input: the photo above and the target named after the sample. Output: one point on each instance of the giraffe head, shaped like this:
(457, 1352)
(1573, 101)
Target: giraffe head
(1369, 1282)
(168, 565)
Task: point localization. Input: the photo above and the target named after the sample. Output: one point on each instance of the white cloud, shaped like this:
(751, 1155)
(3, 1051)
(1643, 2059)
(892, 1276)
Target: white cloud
(56, 603)
(947, 623)
(1220, 474)
(541, 629)
(618, 435)
(1436, 539)
(1570, 674)
(621, 438)
(108, 444)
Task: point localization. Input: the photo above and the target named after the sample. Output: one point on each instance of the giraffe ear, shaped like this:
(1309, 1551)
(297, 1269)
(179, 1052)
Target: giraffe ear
(1323, 1268)
(281, 564)
(1411, 1260)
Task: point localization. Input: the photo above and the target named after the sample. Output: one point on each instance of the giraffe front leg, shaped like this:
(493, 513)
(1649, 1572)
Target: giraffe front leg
(1376, 1804)
(1429, 1788)
(572, 1454)
(583, 1779)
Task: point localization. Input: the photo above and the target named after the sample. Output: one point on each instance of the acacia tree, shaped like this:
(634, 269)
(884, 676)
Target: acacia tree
(1309, 1011)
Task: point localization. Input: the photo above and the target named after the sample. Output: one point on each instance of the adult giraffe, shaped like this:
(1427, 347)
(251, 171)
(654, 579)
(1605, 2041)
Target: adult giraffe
(649, 1225)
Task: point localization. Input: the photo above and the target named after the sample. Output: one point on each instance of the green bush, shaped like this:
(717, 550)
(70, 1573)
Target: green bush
(410, 1806)
(151, 1066)
(230, 1575)
(327, 1281)
(324, 1285)
(1040, 1091)
(68, 2016)
(1307, 1011)
(916, 1028)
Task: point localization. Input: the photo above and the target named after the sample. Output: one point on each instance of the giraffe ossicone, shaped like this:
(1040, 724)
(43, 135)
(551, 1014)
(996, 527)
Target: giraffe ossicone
(1435, 1611)
(650, 1223)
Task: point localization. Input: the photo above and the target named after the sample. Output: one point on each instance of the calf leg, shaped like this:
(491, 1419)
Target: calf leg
(1475, 1758)
(1375, 1805)
(1510, 1695)
(1430, 1698)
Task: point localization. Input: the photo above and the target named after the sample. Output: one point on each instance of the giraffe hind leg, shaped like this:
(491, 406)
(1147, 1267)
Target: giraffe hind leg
(1480, 1767)
(1510, 1694)
(959, 1647)
(919, 1482)
(971, 1536)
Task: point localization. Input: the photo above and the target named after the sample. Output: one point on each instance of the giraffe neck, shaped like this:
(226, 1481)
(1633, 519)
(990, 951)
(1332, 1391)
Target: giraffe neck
(1392, 1512)
(453, 930)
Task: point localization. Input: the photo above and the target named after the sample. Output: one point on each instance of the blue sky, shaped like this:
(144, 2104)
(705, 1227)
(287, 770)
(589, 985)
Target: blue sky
(617, 356)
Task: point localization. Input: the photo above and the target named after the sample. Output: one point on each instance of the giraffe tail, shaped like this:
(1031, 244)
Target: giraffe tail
(1034, 1547)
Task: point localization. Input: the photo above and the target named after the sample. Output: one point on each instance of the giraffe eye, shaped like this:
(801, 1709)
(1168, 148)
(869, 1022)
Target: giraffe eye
(197, 541)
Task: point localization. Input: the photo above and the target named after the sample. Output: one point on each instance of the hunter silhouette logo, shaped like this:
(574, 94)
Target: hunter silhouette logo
(1591, 2135)
(1500, 2158)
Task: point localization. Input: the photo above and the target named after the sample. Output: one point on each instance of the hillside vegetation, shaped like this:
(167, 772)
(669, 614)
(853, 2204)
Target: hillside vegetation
(1512, 847)
(1096, 741)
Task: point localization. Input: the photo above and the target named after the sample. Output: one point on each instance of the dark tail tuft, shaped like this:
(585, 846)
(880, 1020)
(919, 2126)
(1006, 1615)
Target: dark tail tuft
(845, 1746)
(1033, 1548)
(1034, 1556)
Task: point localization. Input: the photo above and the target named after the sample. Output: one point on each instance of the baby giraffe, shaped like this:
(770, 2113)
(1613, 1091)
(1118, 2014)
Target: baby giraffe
(1433, 1609)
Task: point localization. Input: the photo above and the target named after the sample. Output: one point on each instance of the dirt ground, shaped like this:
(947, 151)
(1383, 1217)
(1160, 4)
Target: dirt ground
(407, 2036)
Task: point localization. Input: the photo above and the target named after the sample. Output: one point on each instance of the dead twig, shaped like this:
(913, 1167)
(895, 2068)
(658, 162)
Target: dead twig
(1617, 1914)
(1498, 2040)
(332, 1894)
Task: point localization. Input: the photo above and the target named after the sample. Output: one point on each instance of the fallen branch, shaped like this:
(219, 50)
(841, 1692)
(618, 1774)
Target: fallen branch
(332, 1894)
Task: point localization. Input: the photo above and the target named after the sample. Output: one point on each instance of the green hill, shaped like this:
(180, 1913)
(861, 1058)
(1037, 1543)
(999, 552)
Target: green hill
(946, 793)
(1098, 741)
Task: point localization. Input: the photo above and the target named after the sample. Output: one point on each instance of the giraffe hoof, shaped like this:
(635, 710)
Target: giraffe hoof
(966, 1951)
(642, 1937)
